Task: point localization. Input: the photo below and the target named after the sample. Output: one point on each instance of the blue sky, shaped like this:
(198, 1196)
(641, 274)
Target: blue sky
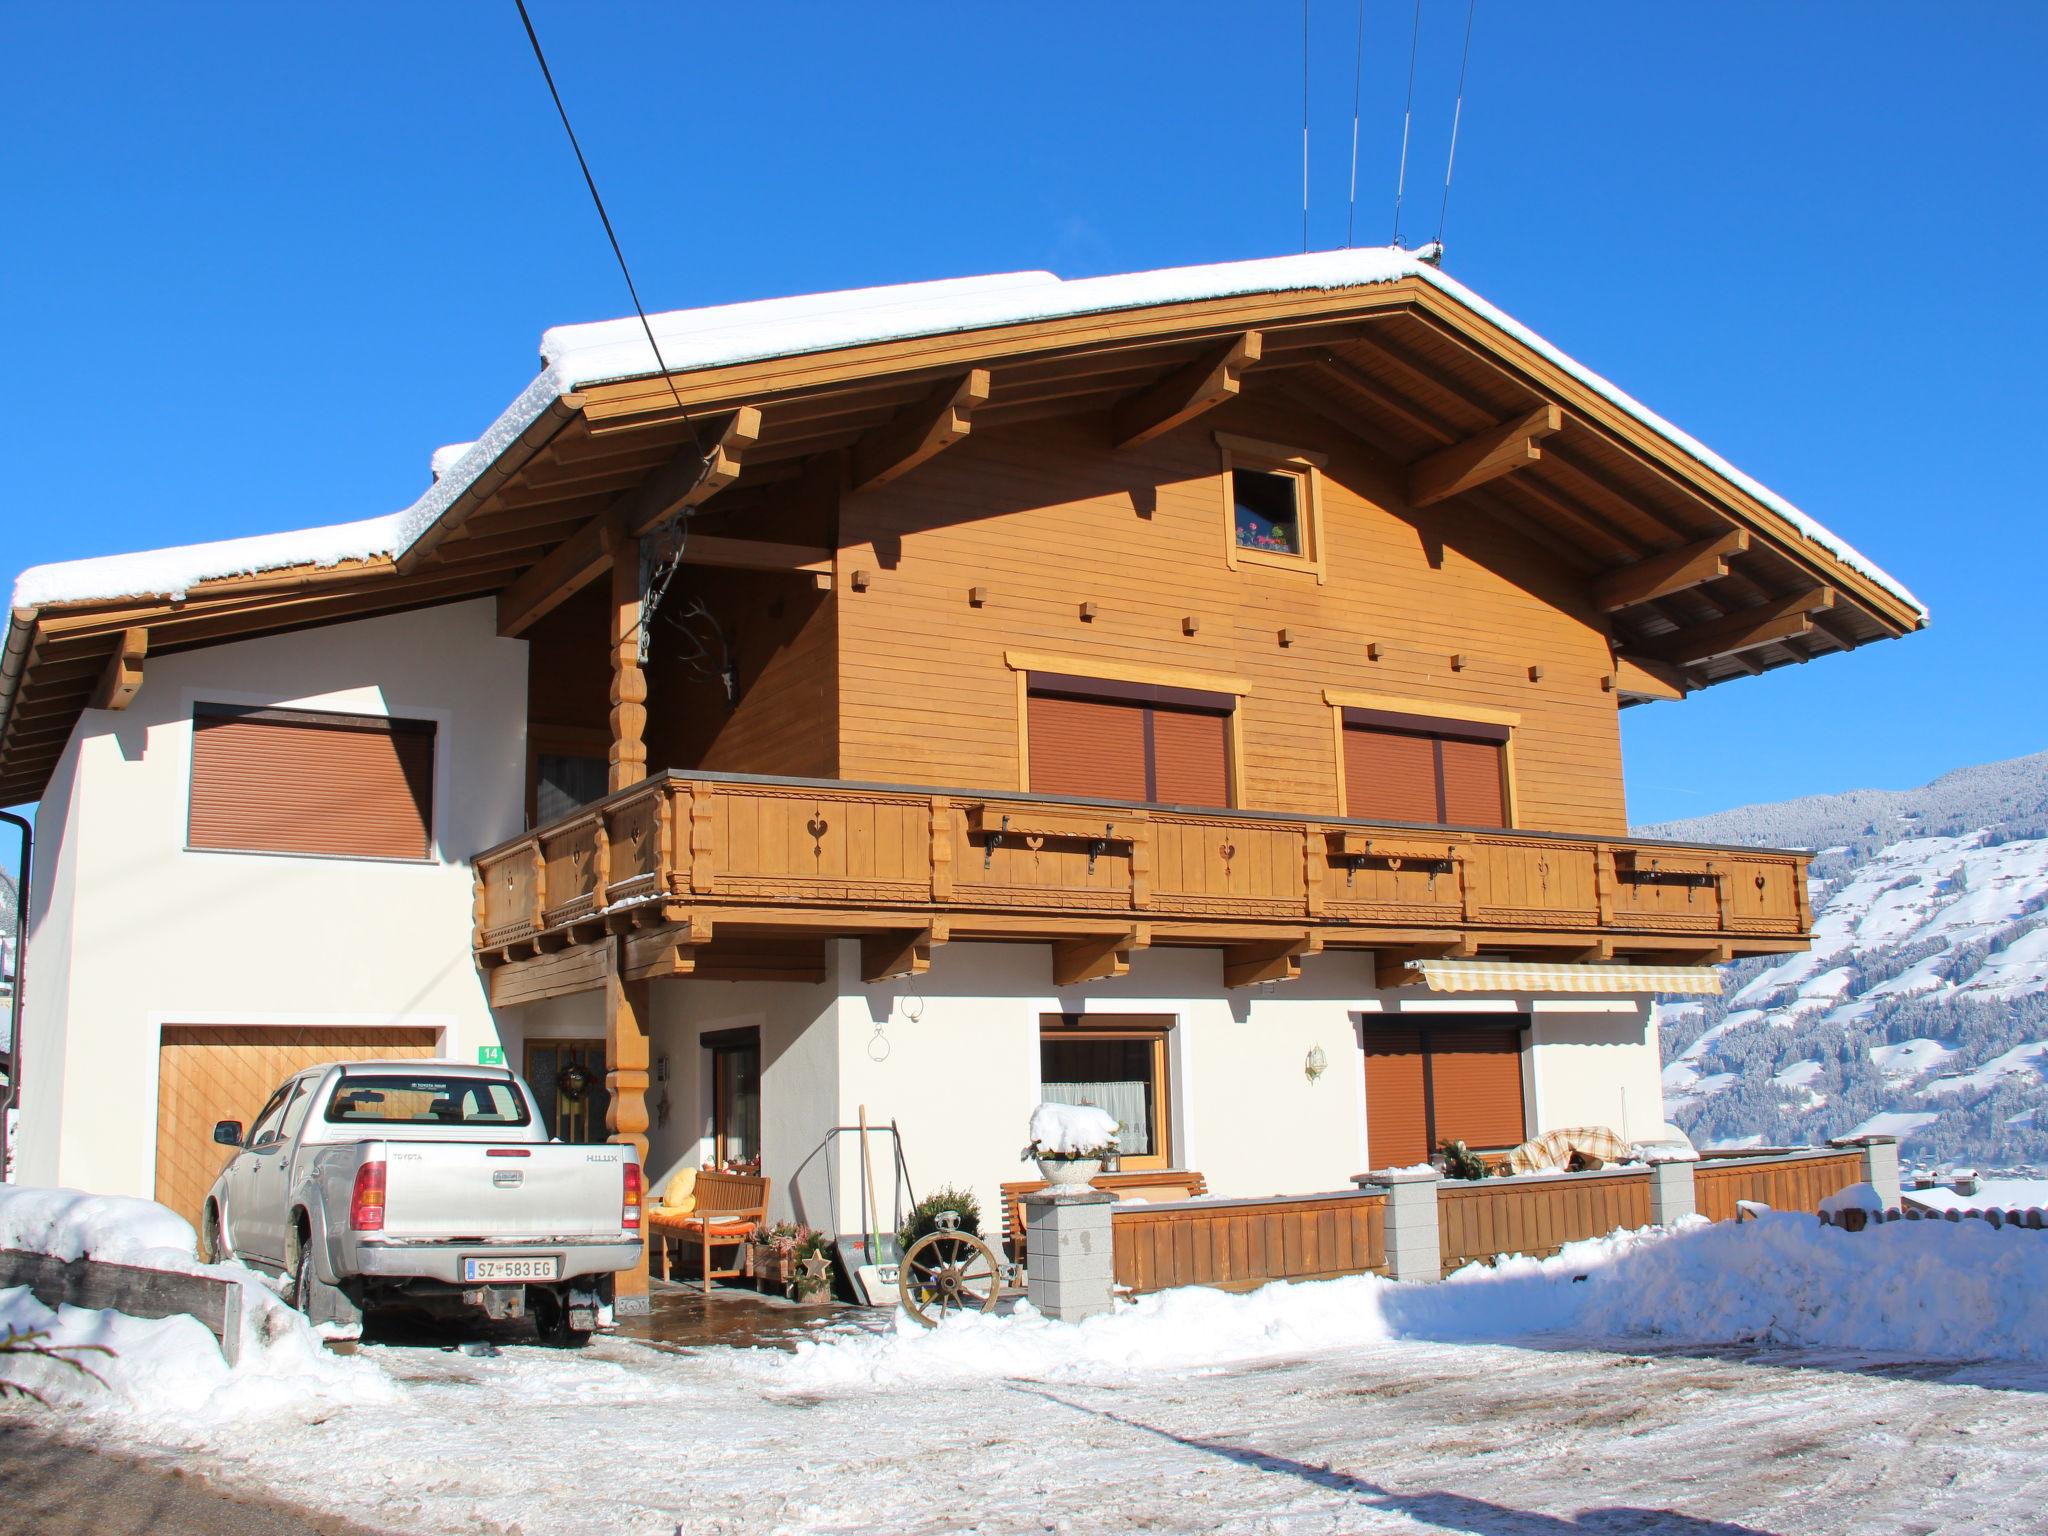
(260, 260)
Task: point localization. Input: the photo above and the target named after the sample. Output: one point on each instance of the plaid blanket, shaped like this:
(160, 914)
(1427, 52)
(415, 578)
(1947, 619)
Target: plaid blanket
(1553, 1149)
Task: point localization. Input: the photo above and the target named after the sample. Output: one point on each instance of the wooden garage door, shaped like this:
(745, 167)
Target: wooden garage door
(207, 1073)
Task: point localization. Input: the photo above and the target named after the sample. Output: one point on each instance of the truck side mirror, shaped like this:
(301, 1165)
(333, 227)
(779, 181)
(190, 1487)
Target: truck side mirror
(228, 1132)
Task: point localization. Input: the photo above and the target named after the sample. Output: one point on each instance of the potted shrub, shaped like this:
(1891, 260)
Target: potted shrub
(772, 1253)
(1069, 1142)
(924, 1216)
(810, 1261)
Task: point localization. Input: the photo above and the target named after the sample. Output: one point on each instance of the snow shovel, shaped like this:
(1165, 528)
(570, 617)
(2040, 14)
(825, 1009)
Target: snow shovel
(873, 1266)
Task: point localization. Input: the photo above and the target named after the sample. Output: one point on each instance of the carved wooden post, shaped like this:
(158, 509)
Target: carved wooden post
(626, 1010)
(629, 683)
(1141, 865)
(703, 839)
(1315, 866)
(1603, 885)
(540, 886)
(942, 849)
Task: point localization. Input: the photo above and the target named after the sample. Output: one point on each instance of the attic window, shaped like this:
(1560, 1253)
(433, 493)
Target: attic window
(1272, 505)
(1268, 507)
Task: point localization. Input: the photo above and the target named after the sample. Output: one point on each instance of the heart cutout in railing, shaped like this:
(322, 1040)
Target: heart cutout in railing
(1034, 843)
(1228, 850)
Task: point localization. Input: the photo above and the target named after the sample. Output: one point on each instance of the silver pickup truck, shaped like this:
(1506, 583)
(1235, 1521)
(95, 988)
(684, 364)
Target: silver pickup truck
(427, 1186)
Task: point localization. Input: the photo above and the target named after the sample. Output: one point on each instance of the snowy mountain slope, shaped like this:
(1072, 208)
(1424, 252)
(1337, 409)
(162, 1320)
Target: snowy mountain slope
(1922, 1008)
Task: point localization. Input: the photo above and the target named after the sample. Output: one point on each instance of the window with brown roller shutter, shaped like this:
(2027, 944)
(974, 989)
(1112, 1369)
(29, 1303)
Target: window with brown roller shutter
(309, 781)
(1396, 1099)
(1449, 1081)
(1418, 768)
(1128, 741)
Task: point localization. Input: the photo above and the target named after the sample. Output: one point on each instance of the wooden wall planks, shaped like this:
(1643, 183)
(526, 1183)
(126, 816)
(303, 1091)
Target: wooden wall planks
(1046, 516)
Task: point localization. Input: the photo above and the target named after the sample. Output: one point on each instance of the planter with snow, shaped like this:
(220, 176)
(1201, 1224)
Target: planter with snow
(1069, 1142)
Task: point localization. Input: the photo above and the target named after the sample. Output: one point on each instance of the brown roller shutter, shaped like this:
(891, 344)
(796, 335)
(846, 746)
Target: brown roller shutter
(1088, 747)
(278, 781)
(1396, 1098)
(1190, 758)
(1389, 775)
(1476, 1083)
(1472, 783)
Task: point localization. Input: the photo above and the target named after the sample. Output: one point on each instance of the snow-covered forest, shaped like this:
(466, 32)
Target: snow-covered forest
(1922, 1009)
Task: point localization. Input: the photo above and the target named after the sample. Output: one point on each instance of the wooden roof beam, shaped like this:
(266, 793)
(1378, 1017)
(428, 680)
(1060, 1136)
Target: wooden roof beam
(922, 432)
(122, 679)
(1637, 677)
(683, 482)
(1185, 393)
(1487, 456)
(1246, 965)
(760, 555)
(1765, 624)
(1662, 575)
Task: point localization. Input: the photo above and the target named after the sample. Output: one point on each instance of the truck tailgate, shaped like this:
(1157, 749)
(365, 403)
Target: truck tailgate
(483, 1190)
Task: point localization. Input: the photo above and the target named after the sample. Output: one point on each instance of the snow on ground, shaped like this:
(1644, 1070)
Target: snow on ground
(1895, 1122)
(1911, 1058)
(2024, 1061)
(1650, 1381)
(166, 1371)
(1991, 1195)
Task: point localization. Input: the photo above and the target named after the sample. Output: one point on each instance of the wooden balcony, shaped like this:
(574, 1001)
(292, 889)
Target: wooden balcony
(739, 876)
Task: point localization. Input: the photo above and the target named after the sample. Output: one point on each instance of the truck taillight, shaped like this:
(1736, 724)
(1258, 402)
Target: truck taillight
(366, 1202)
(629, 1214)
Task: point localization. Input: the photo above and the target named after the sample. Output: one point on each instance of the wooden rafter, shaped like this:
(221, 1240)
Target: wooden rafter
(1097, 958)
(683, 482)
(1640, 678)
(1486, 456)
(1779, 619)
(1246, 965)
(1185, 393)
(759, 555)
(921, 432)
(122, 679)
(1676, 571)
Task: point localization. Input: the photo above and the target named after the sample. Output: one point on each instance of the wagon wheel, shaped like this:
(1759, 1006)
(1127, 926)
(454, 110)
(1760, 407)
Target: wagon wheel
(948, 1272)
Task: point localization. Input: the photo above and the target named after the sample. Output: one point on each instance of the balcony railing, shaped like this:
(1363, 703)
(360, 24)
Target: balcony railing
(768, 846)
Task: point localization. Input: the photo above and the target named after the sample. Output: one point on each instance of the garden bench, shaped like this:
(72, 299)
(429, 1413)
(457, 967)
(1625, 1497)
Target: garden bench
(729, 1207)
(1152, 1184)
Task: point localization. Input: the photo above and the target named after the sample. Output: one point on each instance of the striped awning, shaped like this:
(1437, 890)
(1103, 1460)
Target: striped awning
(1525, 976)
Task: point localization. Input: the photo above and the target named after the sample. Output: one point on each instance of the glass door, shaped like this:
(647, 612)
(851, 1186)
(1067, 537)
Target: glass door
(567, 1077)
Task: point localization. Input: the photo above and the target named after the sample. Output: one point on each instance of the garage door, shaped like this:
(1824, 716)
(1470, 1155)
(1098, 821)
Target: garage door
(207, 1073)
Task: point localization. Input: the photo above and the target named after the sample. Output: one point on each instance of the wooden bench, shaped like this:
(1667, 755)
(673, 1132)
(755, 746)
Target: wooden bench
(729, 1207)
(1153, 1184)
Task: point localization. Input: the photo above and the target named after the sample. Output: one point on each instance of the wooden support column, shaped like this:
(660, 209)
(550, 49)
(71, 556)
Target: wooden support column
(629, 682)
(627, 1009)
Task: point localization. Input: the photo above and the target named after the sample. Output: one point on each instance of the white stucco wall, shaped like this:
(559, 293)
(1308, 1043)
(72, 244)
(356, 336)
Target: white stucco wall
(136, 931)
(1597, 1067)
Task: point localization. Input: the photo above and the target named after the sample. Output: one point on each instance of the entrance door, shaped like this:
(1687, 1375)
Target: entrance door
(735, 1098)
(567, 1077)
(208, 1073)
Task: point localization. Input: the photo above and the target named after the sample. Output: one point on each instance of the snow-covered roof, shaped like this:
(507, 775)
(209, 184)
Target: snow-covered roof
(720, 335)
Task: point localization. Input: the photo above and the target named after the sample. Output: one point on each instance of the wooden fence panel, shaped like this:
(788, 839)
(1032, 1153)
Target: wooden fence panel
(1784, 1184)
(1484, 1219)
(1241, 1244)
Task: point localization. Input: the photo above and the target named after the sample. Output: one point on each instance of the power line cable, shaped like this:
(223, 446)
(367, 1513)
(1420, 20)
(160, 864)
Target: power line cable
(1457, 116)
(1407, 117)
(654, 579)
(1304, 124)
(1357, 76)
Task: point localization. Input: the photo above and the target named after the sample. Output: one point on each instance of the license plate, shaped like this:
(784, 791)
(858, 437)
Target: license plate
(510, 1269)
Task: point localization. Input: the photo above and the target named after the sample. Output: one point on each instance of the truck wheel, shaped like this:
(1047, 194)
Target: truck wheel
(551, 1320)
(312, 1296)
(209, 1235)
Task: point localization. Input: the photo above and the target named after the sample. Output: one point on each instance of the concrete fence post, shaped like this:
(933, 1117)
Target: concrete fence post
(1414, 1246)
(1671, 1193)
(1880, 1164)
(1068, 1252)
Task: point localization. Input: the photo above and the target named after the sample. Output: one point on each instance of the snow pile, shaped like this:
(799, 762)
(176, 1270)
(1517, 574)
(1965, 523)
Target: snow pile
(1959, 1291)
(1857, 1197)
(1071, 1130)
(169, 1371)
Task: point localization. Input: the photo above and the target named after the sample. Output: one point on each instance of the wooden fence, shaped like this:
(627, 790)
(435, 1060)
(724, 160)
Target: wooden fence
(1240, 1244)
(1785, 1181)
(1537, 1214)
(217, 1304)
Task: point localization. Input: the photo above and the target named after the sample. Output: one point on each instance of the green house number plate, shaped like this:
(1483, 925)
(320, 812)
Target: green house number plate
(490, 1055)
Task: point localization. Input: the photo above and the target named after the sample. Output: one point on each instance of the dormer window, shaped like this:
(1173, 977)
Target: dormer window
(1268, 510)
(1272, 502)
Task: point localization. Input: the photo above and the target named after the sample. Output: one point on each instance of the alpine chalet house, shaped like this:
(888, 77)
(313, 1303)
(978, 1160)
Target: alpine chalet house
(1193, 693)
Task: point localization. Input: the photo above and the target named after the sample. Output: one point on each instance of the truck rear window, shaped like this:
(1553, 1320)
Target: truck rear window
(434, 1098)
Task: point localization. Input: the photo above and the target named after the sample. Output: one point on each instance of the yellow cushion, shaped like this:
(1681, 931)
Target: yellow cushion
(679, 1195)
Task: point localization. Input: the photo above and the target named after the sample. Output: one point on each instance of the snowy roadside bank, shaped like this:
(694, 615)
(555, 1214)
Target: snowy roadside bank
(163, 1372)
(1933, 1291)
